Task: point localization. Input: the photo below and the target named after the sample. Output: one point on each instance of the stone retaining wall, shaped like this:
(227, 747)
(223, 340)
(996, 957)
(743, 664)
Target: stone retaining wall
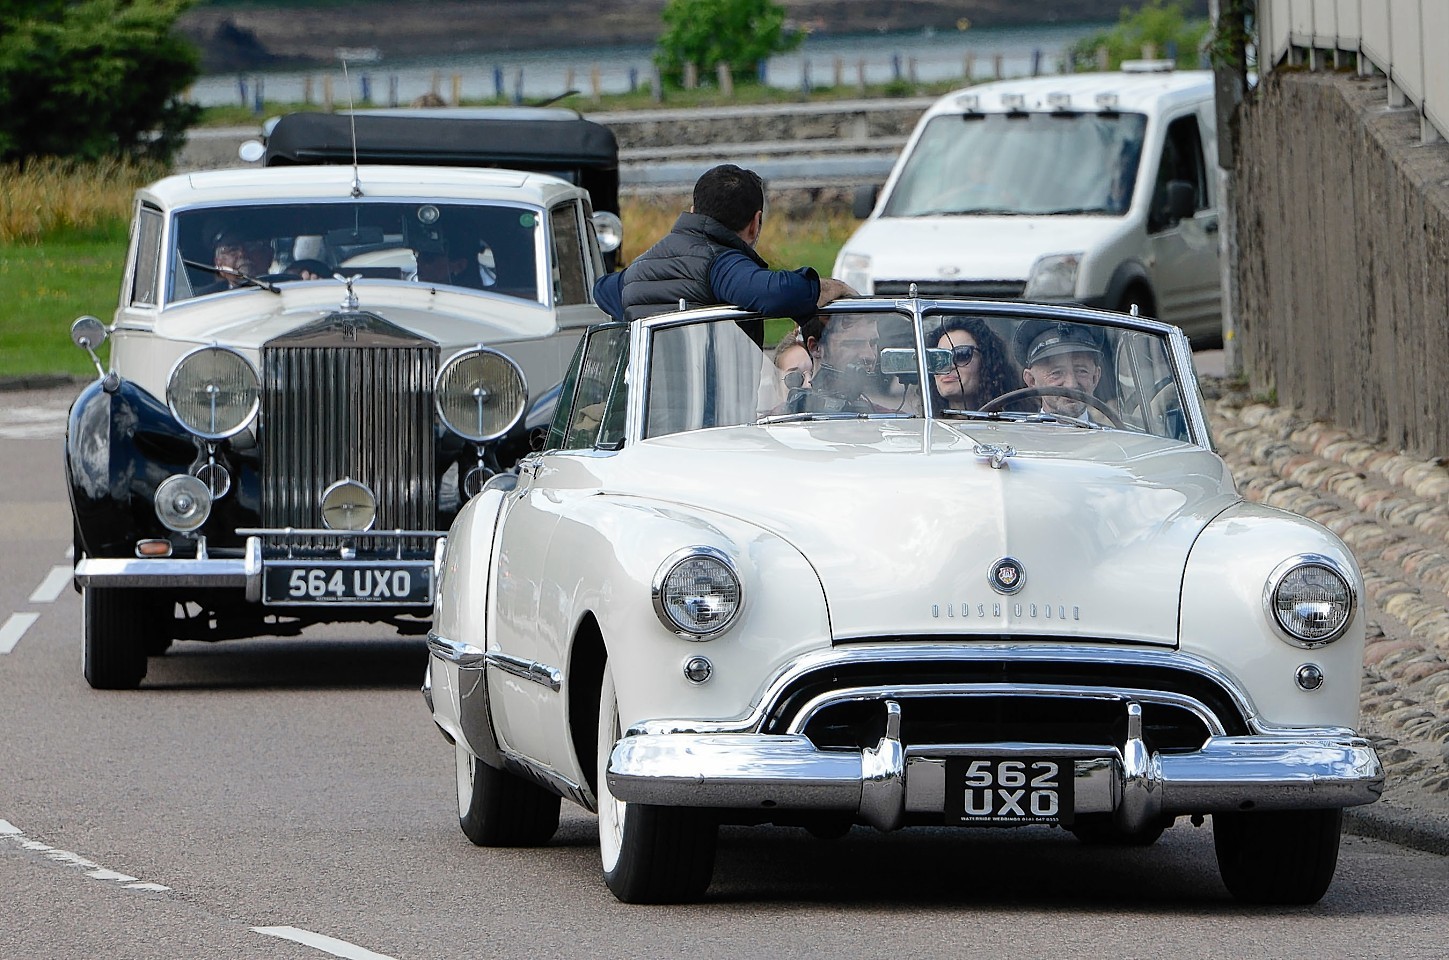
(1343, 220)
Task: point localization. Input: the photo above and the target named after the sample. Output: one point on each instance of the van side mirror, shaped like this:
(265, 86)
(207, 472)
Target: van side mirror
(865, 198)
(1181, 200)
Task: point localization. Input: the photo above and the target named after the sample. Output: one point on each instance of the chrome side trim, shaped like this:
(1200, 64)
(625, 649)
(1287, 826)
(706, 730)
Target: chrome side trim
(540, 673)
(907, 692)
(959, 652)
(465, 655)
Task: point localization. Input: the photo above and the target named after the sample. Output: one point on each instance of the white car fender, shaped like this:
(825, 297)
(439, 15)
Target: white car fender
(1226, 619)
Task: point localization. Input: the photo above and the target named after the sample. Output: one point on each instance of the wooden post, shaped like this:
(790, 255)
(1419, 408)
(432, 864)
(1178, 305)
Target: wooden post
(437, 82)
(691, 76)
(726, 79)
(457, 89)
(327, 92)
(307, 90)
(1104, 58)
(996, 66)
(911, 70)
(860, 74)
(596, 84)
(969, 67)
(1149, 51)
(656, 84)
(839, 72)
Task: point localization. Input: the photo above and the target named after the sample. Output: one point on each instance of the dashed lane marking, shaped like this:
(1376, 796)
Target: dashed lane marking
(338, 948)
(12, 833)
(13, 630)
(57, 580)
(34, 423)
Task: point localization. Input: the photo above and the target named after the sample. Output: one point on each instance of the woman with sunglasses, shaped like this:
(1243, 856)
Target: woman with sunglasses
(979, 369)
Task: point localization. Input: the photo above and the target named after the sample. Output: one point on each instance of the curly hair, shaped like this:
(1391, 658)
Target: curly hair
(998, 376)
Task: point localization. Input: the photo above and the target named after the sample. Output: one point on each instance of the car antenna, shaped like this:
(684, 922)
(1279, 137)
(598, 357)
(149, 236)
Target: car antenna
(352, 118)
(555, 99)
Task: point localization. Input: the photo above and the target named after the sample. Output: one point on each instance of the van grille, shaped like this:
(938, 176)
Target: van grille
(968, 289)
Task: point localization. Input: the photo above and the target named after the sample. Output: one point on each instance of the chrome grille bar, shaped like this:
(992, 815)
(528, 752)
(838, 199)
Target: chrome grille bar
(362, 410)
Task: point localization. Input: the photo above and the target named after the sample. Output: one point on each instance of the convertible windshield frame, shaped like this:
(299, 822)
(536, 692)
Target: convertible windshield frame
(1137, 351)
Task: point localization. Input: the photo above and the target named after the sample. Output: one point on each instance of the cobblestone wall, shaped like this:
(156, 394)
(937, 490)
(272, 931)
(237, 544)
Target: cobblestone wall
(1343, 219)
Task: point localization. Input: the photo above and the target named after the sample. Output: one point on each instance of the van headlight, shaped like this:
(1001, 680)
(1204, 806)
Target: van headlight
(609, 229)
(696, 592)
(214, 392)
(1310, 599)
(1053, 277)
(854, 271)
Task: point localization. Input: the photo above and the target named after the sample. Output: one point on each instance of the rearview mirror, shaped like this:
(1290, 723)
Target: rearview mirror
(895, 361)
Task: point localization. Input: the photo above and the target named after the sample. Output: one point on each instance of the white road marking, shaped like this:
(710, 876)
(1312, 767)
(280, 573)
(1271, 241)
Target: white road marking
(33, 423)
(13, 630)
(338, 948)
(93, 870)
(55, 581)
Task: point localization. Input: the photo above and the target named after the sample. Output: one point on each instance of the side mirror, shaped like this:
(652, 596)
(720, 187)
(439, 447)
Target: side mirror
(251, 151)
(1181, 200)
(87, 333)
(865, 198)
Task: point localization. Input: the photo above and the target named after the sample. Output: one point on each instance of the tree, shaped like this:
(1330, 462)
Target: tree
(1160, 25)
(740, 33)
(93, 78)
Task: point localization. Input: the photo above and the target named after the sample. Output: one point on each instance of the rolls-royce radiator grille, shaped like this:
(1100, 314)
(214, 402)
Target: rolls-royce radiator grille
(351, 399)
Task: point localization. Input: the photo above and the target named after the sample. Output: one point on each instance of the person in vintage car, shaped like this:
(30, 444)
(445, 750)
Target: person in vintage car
(977, 618)
(979, 371)
(1065, 357)
(271, 450)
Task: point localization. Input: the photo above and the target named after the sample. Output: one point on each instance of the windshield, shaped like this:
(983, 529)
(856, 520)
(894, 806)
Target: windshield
(1034, 164)
(486, 247)
(867, 364)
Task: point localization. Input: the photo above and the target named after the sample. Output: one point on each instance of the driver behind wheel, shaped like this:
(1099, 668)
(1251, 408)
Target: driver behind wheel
(1057, 354)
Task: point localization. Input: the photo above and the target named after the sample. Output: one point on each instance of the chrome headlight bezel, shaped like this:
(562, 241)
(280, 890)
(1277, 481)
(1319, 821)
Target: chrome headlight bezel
(1276, 607)
(667, 601)
(609, 230)
(453, 382)
(179, 391)
(182, 503)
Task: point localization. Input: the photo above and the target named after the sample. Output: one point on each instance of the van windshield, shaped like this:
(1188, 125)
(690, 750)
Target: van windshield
(1034, 164)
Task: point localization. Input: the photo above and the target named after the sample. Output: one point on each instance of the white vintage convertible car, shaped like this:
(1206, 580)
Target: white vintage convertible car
(720, 595)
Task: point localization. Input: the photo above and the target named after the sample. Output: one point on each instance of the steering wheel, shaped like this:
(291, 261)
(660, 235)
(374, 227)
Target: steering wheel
(1153, 392)
(1071, 393)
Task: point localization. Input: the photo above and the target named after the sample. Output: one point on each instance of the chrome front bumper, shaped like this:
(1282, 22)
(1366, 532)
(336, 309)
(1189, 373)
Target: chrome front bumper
(1297, 770)
(245, 572)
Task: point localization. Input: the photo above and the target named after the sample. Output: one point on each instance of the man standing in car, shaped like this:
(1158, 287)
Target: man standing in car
(709, 257)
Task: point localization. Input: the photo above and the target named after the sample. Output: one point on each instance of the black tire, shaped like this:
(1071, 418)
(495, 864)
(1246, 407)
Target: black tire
(1101, 830)
(1278, 857)
(498, 809)
(650, 854)
(117, 625)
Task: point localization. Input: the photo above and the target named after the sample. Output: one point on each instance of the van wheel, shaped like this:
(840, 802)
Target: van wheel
(1279, 856)
(650, 854)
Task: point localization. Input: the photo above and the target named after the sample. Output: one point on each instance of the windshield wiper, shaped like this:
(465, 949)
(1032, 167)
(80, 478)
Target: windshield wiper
(1073, 211)
(819, 415)
(1045, 417)
(969, 212)
(230, 272)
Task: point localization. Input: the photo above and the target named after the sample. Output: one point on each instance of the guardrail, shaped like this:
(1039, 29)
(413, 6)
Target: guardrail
(1403, 39)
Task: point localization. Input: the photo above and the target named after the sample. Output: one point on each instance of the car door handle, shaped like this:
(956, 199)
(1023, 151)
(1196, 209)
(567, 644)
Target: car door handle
(1211, 226)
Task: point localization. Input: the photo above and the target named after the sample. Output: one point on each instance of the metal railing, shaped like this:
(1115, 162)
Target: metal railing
(1403, 39)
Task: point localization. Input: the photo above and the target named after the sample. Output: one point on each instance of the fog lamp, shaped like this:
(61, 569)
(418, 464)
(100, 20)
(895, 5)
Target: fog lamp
(698, 669)
(182, 503)
(348, 505)
(1309, 676)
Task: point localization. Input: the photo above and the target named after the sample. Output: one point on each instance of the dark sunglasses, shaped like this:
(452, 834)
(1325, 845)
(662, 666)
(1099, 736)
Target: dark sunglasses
(963, 355)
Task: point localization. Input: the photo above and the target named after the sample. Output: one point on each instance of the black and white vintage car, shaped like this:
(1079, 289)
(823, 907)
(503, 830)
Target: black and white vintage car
(310, 370)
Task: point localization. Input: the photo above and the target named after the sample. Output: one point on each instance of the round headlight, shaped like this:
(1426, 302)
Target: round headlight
(348, 505)
(696, 593)
(480, 394)
(214, 392)
(609, 229)
(1311, 600)
(182, 503)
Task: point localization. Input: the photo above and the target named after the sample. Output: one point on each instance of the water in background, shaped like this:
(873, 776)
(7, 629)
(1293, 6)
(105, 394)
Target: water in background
(536, 75)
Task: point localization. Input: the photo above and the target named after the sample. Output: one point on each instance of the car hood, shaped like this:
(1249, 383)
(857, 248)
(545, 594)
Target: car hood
(903, 521)
(972, 248)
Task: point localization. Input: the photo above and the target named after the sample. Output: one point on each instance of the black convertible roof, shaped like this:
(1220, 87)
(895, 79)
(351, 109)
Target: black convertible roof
(542, 139)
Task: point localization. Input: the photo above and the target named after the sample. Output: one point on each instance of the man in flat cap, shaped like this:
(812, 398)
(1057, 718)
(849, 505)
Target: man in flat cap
(1060, 354)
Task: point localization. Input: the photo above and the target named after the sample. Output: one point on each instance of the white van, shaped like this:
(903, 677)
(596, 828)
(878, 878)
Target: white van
(1095, 188)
